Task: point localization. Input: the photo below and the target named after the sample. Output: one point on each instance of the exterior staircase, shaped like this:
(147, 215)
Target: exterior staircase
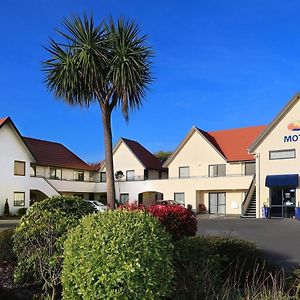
(251, 210)
(249, 204)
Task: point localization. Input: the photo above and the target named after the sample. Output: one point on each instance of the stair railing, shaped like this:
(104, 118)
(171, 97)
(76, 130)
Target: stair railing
(248, 196)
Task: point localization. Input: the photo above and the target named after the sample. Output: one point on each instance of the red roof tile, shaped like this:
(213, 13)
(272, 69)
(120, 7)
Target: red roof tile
(145, 157)
(234, 143)
(54, 154)
(3, 120)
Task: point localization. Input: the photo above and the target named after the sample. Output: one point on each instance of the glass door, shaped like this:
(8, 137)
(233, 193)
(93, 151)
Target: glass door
(217, 203)
(283, 202)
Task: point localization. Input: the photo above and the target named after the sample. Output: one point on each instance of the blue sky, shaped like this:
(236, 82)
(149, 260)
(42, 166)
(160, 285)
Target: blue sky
(218, 64)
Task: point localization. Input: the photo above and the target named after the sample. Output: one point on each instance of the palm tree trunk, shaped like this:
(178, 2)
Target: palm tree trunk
(110, 185)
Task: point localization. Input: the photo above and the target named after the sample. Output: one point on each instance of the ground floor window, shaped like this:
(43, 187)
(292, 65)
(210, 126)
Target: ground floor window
(217, 203)
(179, 198)
(19, 199)
(124, 198)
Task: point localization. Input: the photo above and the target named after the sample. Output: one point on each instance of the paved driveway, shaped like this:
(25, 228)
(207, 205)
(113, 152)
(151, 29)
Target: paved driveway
(280, 238)
(11, 223)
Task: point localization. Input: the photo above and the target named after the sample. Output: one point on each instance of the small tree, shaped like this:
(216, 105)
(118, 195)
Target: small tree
(38, 240)
(6, 209)
(163, 155)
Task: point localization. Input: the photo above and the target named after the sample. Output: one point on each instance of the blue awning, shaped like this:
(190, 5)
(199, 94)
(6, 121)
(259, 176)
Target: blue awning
(288, 180)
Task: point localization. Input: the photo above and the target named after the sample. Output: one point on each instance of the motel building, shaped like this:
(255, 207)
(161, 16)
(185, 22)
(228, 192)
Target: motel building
(236, 171)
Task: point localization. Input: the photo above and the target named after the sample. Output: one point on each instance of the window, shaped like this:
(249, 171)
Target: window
(55, 173)
(130, 175)
(124, 198)
(249, 168)
(79, 175)
(33, 171)
(217, 170)
(179, 198)
(282, 154)
(184, 172)
(19, 168)
(19, 199)
(103, 177)
(217, 203)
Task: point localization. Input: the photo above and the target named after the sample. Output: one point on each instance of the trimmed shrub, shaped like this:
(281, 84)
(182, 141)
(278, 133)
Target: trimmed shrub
(22, 211)
(207, 267)
(6, 209)
(6, 247)
(117, 254)
(178, 221)
(38, 240)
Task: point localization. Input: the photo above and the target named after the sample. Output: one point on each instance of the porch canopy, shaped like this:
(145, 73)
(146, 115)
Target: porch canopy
(287, 180)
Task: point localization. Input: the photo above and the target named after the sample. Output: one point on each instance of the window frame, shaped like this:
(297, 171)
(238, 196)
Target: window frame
(101, 176)
(217, 166)
(127, 175)
(249, 163)
(22, 205)
(55, 176)
(179, 193)
(283, 150)
(78, 177)
(124, 194)
(24, 166)
(184, 167)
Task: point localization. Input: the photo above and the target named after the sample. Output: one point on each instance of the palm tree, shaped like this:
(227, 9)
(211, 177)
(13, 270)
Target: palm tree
(109, 64)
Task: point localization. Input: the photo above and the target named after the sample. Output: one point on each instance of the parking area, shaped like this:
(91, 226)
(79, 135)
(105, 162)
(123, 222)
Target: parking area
(279, 238)
(9, 223)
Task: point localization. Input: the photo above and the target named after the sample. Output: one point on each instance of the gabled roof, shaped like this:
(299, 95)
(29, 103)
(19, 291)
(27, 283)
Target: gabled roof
(143, 155)
(276, 120)
(54, 154)
(3, 120)
(234, 142)
(231, 144)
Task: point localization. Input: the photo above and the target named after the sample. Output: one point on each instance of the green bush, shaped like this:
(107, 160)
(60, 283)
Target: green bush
(39, 237)
(118, 254)
(6, 209)
(210, 267)
(22, 211)
(6, 247)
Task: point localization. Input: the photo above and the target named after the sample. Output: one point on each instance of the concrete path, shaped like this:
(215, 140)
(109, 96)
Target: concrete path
(10, 223)
(279, 238)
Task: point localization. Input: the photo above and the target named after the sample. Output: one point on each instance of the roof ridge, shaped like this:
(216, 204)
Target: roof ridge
(237, 128)
(41, 140)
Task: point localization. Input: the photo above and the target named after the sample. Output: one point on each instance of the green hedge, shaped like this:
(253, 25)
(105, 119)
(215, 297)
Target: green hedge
(208, 267)
(39, 237)
(6, 245)
(118, 255)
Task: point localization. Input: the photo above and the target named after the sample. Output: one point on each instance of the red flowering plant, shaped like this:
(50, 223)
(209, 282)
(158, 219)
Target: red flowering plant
(178, 221)
(132, 206)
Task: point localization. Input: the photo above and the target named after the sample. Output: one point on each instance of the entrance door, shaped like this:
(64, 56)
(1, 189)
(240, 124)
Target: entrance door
(217, 203)
(283, 202)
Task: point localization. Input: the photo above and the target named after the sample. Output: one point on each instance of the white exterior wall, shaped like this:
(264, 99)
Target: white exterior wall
(265, 166)
(12, 148)
(198, 154)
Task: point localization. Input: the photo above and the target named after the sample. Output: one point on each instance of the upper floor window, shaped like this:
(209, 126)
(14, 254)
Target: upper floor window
(217, 170)
(282, 154)
(19, 168)
(103, 177)
(184, 172)
(130, 175)
(33, 171)
(19, 199)
(249, 168)
(55, 173)
(79, 175)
